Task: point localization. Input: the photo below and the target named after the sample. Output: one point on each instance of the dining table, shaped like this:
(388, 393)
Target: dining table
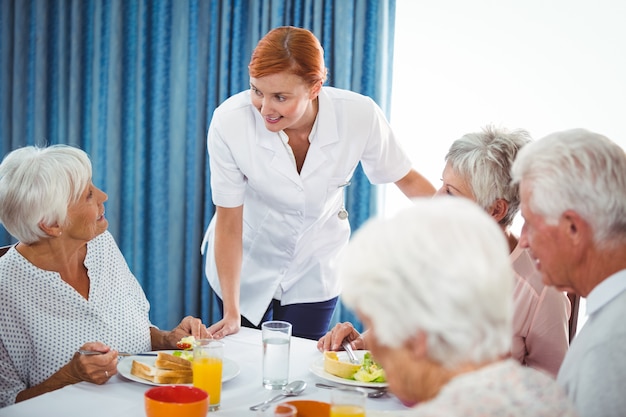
(122, 397)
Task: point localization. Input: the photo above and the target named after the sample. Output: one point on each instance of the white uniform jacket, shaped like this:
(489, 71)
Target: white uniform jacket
(292, 235)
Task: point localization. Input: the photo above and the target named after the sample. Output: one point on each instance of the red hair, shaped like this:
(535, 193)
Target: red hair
(289, 49)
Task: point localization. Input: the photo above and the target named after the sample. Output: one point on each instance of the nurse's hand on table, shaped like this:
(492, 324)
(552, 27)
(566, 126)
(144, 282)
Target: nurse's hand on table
(224, 327)
(342, 331)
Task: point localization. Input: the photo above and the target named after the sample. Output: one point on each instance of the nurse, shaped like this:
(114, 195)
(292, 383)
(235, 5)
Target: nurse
(281, 154)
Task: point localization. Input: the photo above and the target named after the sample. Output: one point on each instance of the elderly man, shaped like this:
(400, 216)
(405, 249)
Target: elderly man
(573, 200)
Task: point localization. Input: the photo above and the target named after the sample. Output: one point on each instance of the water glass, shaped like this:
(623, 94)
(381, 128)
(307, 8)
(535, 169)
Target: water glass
(279, 410)
(347, 402)
(208, 355)
(276, 337)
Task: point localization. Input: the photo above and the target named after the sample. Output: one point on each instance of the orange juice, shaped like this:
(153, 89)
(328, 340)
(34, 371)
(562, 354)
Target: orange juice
(207, 375)
(347, 411)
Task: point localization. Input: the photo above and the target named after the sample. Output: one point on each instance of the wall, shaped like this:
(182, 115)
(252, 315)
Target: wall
(542, 66)
(539, 65)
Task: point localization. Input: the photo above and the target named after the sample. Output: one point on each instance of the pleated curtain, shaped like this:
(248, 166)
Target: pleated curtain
(134, 83)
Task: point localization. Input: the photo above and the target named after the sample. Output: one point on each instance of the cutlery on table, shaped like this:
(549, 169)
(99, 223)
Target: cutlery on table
(95, 352)
(291, 389)
(351, 355)
(373, 392)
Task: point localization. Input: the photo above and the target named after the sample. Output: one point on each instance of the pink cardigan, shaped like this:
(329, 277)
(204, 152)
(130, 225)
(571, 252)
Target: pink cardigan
(540, 318)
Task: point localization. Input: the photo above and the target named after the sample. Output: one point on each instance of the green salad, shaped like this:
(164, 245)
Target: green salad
(370, 371)
(185, 354)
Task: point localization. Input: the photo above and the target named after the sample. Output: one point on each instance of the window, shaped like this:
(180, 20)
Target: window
(542, 66)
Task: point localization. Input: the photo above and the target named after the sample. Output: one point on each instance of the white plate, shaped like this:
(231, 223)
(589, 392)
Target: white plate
(317, 367)
(230, 369)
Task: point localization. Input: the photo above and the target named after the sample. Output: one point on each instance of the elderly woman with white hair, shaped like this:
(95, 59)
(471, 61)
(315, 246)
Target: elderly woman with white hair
(65, 286)
(433, 285)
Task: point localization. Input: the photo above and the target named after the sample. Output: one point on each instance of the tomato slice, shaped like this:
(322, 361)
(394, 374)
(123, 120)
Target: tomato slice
(184, 346)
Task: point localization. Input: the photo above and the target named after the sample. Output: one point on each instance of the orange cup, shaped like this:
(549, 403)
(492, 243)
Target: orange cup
(176, 400)
(310, 408)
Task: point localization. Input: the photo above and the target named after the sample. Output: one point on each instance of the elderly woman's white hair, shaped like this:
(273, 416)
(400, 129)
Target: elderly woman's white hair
(440, 267)
(484, 160)
(37, 185)
(577, 170)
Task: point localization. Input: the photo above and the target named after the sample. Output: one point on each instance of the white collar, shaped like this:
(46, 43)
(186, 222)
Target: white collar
(605, 291)
(283, 136)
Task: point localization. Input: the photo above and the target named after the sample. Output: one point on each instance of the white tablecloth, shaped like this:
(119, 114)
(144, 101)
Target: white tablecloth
(120, 397)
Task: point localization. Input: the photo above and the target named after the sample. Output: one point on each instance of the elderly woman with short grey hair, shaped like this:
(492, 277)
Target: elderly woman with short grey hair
(65, 286)
(478, 167)
(433, 285)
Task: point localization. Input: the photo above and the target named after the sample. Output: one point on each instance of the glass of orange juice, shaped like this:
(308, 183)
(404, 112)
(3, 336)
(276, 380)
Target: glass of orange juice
(347, 402)
(208, 355)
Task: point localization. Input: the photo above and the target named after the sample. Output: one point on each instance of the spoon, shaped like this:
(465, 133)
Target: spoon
(291, 389)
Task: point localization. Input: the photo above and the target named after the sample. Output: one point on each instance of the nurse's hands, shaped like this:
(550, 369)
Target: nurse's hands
(228, 325)
(342, 331)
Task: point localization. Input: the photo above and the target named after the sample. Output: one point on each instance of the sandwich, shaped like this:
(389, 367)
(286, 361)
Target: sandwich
(166, 361)
(186, 343)
(167, 369)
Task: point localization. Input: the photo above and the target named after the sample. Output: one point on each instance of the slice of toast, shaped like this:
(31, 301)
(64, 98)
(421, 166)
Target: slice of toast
(167, 361)
(161, 376)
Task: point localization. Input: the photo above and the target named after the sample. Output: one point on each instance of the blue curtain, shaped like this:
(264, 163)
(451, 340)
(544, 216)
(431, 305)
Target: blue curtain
(134, 84)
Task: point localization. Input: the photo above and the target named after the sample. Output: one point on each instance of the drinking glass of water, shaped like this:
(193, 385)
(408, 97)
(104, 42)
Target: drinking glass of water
(276, 337)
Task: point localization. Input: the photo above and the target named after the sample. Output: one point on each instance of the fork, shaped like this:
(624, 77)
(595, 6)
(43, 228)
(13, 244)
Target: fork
(351, 355)
(95, 352)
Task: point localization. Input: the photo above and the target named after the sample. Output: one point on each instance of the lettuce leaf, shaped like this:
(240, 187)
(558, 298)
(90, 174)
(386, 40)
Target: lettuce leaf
(370, 371)
(185, 354)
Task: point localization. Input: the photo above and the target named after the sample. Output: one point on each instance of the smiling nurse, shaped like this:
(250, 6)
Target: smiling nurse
(281, 154)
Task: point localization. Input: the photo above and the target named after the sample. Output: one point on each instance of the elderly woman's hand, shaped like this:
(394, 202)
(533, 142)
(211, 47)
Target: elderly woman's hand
(96, 369)
(93, 368)
(189, 326)
(342, 331)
